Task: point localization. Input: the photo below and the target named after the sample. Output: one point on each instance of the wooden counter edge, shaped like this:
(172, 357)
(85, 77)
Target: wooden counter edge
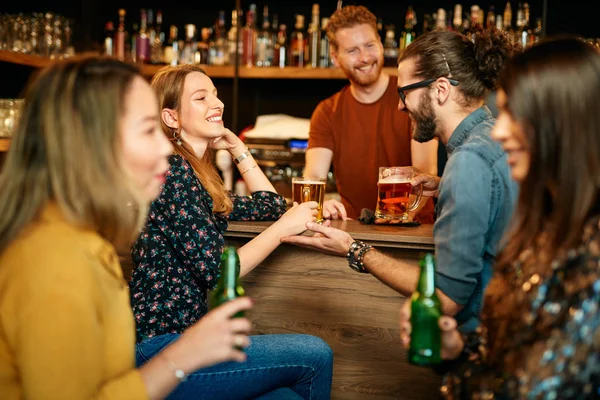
(419, 238)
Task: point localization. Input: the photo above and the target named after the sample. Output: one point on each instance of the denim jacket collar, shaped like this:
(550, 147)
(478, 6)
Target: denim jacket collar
(461, 133)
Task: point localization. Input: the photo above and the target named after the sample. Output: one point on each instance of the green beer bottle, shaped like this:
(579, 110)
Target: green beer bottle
(228, 286)
(425, 337)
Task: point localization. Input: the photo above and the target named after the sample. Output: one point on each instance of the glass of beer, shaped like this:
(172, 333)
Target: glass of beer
(395, 195)
(309, 189)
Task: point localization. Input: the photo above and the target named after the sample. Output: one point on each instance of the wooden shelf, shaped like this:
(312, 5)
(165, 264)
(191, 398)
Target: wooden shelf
(24, 59)
(214, 71)
(211, 70)
(297, 73)
(4, 144)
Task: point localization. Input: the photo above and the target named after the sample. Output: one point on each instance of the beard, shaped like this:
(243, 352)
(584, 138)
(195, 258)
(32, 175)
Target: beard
(424, 125)
(363, 80)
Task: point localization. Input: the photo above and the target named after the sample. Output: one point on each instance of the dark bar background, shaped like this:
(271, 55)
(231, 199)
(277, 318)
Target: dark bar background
(267, 96)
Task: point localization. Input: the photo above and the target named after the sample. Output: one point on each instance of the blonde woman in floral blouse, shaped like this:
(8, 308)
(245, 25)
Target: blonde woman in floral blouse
(539, 336)
(177, 256)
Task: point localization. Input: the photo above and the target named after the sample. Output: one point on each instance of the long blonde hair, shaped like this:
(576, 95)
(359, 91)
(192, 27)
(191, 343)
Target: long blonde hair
(67, 150)
(168, 84)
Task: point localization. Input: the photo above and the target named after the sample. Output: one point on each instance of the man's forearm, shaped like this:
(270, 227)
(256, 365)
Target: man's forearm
(399, 275)
(402, 277)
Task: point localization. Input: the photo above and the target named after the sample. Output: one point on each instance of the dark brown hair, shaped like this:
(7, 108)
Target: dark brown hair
(348, 17)
(553, 90)
(475, 65)
(168, 84)
(67, 151)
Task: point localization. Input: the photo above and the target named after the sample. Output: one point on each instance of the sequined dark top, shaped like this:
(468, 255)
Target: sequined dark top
(541, 336)
(177, 256)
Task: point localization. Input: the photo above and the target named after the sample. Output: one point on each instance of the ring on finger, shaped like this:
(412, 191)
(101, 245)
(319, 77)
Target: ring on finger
(238, 341)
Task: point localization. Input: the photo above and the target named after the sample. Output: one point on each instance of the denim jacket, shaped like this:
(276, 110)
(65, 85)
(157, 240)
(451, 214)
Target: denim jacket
(476, 200)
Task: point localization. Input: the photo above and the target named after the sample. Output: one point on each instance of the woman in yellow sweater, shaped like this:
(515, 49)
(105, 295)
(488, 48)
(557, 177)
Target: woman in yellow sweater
(88, 152)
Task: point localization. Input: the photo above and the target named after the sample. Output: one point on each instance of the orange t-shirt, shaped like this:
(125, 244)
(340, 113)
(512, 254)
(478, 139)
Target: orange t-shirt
(363, 137)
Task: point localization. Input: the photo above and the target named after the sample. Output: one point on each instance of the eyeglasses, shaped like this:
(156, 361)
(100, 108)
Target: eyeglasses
(421, 84)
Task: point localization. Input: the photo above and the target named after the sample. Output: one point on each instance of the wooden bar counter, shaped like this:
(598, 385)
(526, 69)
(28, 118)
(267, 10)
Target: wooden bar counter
(298, 290)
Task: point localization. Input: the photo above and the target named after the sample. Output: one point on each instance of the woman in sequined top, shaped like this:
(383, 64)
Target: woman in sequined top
(177, 256)
(539, 336)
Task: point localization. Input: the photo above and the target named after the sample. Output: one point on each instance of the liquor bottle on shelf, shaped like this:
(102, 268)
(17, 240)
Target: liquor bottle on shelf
(457, 21)
(380, 30)
(121, 37)
(538, 31)
(324, 51)
(499, 22)
(408, 34)
(507, 22)
(526, 35)
(171, 50)
(264, 42)
(135, 32)
(249, 38)
(157, 38)
(190, 46)
(298, 43)
(490, 20)
(314, 38)
(109, 34)
(201, 56)
(219, 48)
(142, 43)
(390, 47)
(231, 38)
(440, 20)
(281, 48)
(274, 32)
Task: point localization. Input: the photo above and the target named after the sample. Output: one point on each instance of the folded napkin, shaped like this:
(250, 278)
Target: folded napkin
(367, 217)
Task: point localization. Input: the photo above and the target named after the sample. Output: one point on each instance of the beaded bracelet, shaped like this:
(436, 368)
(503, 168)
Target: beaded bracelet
(357, 263)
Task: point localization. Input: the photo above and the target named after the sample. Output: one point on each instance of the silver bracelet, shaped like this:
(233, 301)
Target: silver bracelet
(242, 157)
(246, 170)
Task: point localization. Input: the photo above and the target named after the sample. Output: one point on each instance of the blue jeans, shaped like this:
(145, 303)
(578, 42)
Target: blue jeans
(287, 366)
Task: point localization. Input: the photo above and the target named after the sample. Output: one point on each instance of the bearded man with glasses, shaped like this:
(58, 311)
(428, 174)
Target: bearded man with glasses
(443, 78)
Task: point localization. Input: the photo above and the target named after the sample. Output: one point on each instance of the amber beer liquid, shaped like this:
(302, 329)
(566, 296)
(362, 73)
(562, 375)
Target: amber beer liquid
(393, 198)
(304, 190)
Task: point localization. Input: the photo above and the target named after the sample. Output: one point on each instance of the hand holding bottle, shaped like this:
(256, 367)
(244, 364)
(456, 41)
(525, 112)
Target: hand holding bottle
(451, 340)
(216, 338)
(429, 336)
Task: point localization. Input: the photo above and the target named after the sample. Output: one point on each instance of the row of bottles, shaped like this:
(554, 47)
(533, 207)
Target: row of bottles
(269, 45)
(468, 24)
(272, 45)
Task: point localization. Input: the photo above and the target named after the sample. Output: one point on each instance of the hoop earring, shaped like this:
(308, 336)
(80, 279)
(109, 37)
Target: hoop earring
(176, 137)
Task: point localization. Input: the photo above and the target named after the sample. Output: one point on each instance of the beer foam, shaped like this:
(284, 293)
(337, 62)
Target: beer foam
(309, 183)
(395, 179)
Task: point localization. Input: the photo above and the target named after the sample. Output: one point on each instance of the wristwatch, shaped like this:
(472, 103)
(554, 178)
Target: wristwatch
(356, 262)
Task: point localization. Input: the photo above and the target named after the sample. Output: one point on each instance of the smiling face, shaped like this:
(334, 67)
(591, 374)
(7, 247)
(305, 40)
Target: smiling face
(201, 111)
(145, 149)
(417, 104)
(359, 54)
(511, 135)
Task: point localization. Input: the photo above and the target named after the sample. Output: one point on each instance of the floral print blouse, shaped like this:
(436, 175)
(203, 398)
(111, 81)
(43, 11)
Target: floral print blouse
(540, 335)
(177, 255)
